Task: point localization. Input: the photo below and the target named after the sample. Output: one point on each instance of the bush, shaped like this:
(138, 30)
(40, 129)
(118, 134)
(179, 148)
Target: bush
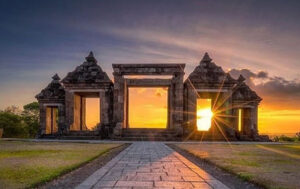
(284, 138)
(13, 125)
(30, 115)
(298, 136)
(17, 123)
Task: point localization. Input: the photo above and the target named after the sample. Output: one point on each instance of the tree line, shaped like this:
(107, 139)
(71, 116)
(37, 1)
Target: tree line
(20, 123)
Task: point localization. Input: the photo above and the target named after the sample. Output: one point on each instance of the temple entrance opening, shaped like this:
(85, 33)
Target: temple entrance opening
(148, 107)
(51, 120)
(92, 113)
(204, 114)
(86, 112)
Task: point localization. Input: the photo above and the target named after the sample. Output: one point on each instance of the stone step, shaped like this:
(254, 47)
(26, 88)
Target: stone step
(149, 135)
(149, 131)
(80, 137)
(83, 133)
(148, 138)
(48, 136)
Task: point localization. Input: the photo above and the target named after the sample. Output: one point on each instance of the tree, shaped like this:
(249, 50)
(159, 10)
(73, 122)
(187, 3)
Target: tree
(298, 136)
(30, 116)
(32, 107)
(13, 125)
(13, 109)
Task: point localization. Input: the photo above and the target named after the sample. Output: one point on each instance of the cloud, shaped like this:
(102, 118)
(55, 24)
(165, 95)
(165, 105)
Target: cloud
(276, 91)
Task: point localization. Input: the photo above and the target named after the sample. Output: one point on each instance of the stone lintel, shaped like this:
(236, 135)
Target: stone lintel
(85, 86)
(87, 90)
(212, 90)
(148, 69)
(243, 104)
(52, 104)
(148, 82)
(49, 101)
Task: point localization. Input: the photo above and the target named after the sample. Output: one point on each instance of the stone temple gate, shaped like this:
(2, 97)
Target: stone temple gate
(230, 106)
(174, 85)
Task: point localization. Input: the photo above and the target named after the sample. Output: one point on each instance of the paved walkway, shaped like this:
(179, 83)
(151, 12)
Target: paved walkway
(150, 165)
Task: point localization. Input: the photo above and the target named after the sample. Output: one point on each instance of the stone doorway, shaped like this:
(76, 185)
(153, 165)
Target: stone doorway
(86, 105)
(51, 119)
(174, 85)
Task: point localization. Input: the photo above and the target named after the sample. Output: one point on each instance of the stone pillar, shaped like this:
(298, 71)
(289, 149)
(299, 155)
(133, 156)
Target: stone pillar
(255, 118)
(253, 121)
(178, 102)
(191, 110)
(82, 114)
(235, 119)
(119, 89)
(169, 122)
(42, 129)
(61, 119)
(104, 107)
(69, 103)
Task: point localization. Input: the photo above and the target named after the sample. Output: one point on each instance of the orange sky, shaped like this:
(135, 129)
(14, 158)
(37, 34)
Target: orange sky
(271, 120)
(92, 112)
(148, 107)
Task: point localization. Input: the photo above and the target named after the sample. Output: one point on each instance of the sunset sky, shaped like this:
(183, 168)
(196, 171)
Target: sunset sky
(260, 39)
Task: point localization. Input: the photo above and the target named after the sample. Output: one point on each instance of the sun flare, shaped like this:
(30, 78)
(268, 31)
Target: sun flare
(204, 114)
(204, 117)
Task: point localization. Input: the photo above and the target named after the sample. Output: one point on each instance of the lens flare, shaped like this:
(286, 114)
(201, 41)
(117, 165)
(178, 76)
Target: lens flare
(204, 117)
(204, 114)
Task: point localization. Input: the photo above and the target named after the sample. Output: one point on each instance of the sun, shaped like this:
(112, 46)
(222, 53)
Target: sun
(204, 117)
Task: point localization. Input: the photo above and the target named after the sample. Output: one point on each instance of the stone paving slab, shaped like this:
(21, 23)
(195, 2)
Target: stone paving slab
(150, 165)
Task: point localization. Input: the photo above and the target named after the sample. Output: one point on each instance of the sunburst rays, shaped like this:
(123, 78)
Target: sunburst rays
(220, 117)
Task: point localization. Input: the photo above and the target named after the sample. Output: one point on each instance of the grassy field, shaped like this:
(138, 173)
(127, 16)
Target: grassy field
(25, 164)
(270, 165)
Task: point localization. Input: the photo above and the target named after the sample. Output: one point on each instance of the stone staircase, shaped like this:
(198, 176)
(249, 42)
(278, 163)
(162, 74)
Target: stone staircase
(82, 135)
(75, 135)
(148, 135)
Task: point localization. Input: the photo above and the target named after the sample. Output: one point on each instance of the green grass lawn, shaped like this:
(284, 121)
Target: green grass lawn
(270, 165)
(25, 164)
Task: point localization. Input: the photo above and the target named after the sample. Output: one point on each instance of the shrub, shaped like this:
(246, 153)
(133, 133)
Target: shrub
(276, 139)
(284, 138)
(13, 125)
(30, 115)
(18, 123)
(298, 136)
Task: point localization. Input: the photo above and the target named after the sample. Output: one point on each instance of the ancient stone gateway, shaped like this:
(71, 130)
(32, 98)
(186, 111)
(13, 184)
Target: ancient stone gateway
(174, 84)
(208, 105)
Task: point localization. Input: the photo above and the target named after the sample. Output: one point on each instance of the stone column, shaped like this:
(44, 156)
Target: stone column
(235, 119)
(191, 107)
(104, 107)
(42, 129)
(178, 103)
(61, 119)
(119, 89)
(253, 121)
(69, 103)
(255, 118)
